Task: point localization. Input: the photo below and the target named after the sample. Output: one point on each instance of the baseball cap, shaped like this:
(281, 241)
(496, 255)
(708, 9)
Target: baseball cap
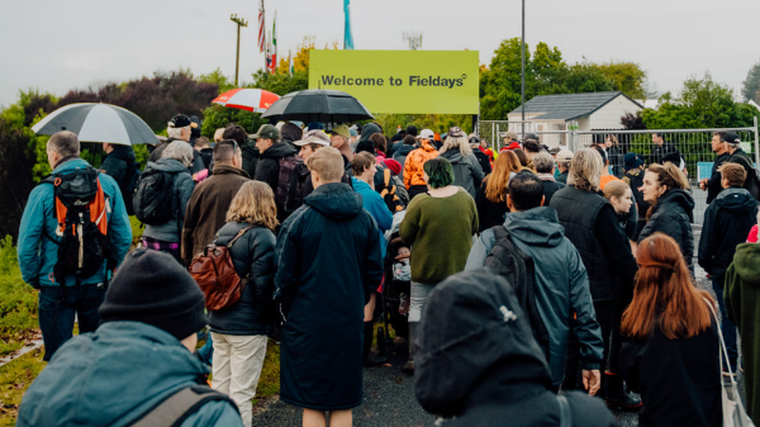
(731, 138)
(564, 156)
(426, 134)
(180, 121)
(267, 132)
(316, 136)
(341, 130)
(632, 161)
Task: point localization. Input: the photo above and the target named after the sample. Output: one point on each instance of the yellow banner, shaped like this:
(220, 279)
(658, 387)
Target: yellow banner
(401, 81)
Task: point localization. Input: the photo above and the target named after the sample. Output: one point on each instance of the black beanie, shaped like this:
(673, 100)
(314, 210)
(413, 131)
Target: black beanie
(153, 288)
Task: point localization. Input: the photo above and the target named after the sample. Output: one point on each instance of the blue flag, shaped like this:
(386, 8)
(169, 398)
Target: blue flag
(348, 39)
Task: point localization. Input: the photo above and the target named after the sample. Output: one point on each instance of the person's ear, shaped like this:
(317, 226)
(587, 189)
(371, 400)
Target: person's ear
(543, 200)
(510, 205)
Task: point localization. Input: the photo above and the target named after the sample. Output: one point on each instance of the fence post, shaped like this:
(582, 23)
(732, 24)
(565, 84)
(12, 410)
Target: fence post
(757, 148)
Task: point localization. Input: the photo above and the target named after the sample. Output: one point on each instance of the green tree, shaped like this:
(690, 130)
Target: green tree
(751, 86)
(584, 78)
(218, 78)
(626, 77)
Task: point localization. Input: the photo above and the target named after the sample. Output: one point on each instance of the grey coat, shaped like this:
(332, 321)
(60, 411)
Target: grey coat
(183, 188)
(467, 171)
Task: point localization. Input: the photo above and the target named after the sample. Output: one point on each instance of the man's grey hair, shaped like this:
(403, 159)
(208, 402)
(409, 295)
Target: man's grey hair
(543, 162)
(175, 133)
(65, 143)
(179, 150)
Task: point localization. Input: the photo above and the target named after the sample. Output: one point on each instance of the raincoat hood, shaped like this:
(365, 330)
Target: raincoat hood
(290, 133)
(475, 345)
(167, 165)
(123, 152)
(679, 197)
(336, 201)
(279, 150)
(746, 262)
(736, 200)
(453, 156)
(368, 130)
(536, 227)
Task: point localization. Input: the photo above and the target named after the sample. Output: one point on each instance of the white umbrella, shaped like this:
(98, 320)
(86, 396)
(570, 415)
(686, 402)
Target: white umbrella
(95, 122)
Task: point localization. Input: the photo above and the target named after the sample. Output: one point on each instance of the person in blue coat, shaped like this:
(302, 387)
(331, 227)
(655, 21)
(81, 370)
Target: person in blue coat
(59, 297)
(328, 263)
(138, 357)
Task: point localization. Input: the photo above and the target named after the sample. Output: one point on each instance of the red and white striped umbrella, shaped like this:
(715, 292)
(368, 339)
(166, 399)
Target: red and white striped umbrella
(256, 100)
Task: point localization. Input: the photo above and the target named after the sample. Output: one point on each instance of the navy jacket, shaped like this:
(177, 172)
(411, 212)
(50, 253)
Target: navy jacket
(115, 375)
(328, 259)
(673, 215)
(253, 257)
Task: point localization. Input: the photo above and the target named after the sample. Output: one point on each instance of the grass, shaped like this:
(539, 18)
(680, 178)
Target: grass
(18, 302)
(269, 381)
(15, 378)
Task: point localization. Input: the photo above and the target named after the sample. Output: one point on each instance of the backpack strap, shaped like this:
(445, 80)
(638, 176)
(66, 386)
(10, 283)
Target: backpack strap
(176, 408)
(565, 416)
(239, 235)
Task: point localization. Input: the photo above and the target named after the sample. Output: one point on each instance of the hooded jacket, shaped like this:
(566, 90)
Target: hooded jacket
(673, 215)
(91, 380)
(728, 219)
(467, 171)
(400, 156)
(290, 133)
(118, 164)
(253, 257)
(38, 253)
(373, 203)
(268, 169)
(207, 208)
(413, 171)
(477, 360)
(328, 259)
(562, 287)
(742, 296)
(182, 188)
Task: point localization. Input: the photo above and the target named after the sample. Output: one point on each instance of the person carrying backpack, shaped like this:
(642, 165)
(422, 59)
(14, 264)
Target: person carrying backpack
(280, 167)
(172, 190)
(120, 164)
(74, 230)
(559, 285)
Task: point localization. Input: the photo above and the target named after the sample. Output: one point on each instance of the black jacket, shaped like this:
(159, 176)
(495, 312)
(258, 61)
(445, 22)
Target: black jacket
(328, 258)
(489, 213)
(673, 215)
(550, 187)
(563, 177)
(679, 380)
(268, 169)
(250, 156)
(591, 224)
(727, 223)
(290, 133)
(119, 164)
(253, 257)
(740, 157)
(485, 162)
(713, 184)
(659, 151)
(616, 156)
(480, 363)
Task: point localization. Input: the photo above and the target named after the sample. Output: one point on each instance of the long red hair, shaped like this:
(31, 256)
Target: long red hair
(665, 294)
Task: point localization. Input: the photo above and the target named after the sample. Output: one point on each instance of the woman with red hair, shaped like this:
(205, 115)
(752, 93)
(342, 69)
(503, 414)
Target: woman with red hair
(670, 353)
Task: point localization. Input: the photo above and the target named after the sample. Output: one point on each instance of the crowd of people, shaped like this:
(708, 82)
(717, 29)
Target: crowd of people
(533, 284)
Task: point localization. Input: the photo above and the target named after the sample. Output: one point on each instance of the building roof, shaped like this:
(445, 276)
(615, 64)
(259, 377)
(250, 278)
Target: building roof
(569, 106)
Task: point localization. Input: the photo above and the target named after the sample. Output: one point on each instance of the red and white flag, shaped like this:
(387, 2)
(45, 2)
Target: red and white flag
(262, 32)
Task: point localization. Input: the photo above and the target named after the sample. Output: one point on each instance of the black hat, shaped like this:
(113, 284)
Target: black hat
(153, 288)
(365, 146)
(411, 130)
(731, 138)
(632, 161)
(180, 121)
(472, 326)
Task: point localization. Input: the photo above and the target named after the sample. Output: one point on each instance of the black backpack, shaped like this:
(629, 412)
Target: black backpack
(153, 200)
(290, 183)
(81, 212)
(177, 407)
(129, 185)
(518, 268)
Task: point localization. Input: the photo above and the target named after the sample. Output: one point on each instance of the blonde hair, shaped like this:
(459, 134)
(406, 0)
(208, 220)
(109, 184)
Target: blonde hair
(460, 142)
(615, 188)
(328, 163)
(254, 204)
(585, 170)
(179, 150)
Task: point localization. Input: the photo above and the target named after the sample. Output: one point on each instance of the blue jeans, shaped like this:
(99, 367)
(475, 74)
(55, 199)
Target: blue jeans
(726, 326)
(57, 307)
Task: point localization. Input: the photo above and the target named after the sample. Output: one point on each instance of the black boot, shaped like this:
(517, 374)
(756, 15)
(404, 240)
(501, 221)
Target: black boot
(615, 393)
(368, 359)
(409, 365)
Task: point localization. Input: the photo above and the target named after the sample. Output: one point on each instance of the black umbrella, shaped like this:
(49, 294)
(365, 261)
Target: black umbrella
(318, 105)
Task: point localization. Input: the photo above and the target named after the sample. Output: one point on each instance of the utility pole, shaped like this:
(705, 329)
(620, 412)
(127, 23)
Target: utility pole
(240, 23)
(522, 73)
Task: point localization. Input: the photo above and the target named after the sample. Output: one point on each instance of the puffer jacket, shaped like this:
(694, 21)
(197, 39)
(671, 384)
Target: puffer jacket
(413, 171)
(115, 375)
(672, 215)
(253, 257)
(38, 254)
(468, 173)
(182, 188)
(268, 169)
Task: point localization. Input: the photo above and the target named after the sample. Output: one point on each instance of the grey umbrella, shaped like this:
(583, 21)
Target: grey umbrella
(95, 122)
(318, 105)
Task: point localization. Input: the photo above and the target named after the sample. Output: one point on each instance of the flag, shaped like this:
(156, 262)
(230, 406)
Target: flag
(290, 63)
(348, 39)
(269, 54)
(273, 67)
(262, 35)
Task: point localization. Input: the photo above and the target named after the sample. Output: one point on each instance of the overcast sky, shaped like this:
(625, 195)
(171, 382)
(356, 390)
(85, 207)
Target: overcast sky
(55, 46)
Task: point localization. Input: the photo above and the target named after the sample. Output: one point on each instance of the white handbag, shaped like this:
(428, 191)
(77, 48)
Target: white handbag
(734, 414)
